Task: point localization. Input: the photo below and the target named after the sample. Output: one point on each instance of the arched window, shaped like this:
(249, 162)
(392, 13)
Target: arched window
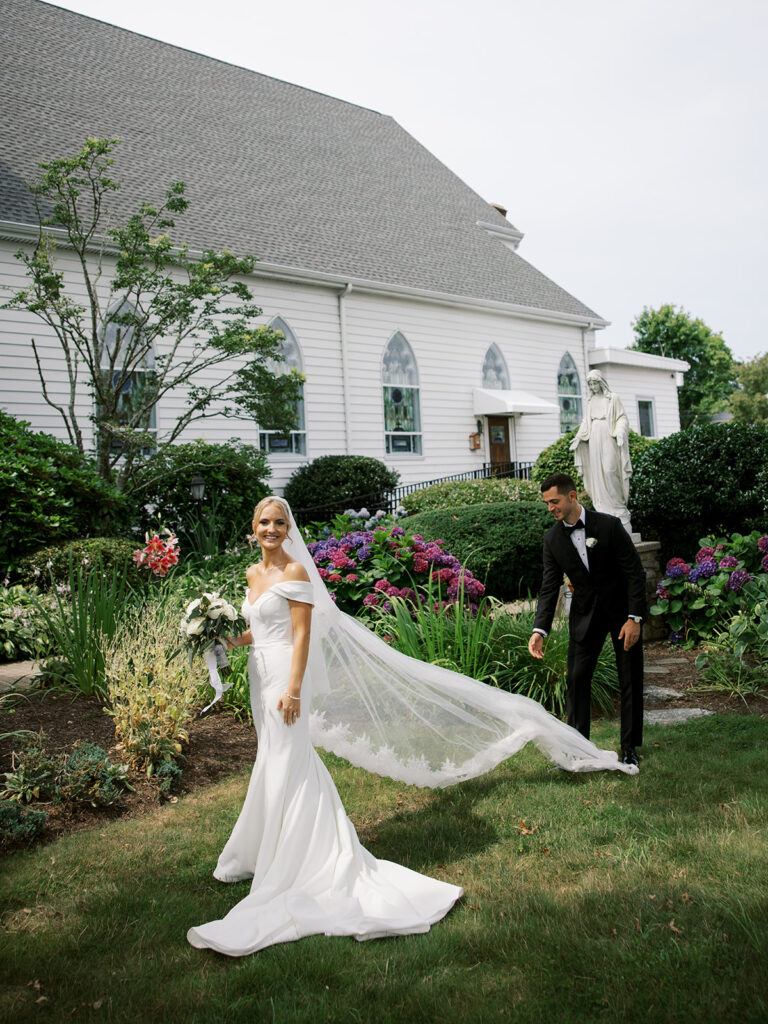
(400, 383)
(118, 333)
(495, 373)
(295, 442)
(569, 394)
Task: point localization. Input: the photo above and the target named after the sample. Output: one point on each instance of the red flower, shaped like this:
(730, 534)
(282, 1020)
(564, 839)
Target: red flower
(334, 577)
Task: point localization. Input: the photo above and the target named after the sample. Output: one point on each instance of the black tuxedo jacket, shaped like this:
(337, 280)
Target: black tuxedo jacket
(612, 588)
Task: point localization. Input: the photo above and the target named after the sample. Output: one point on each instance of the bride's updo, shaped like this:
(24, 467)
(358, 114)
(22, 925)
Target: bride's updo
(270, 500)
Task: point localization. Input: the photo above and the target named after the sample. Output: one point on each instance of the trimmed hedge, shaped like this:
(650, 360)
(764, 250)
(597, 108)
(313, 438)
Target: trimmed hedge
(234, 477)
(499, 543)
(470, 492)
(49, 566)
(334, 483)
(50, 492)
(558, 458)
(710, 479)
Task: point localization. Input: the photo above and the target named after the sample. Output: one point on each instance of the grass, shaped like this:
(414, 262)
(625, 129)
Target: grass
(589, 898)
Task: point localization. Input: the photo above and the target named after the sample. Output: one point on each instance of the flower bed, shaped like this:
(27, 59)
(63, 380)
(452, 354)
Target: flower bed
(364, 568)
(698, 598)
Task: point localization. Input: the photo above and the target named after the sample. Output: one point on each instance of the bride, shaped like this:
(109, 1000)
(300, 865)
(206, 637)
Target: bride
(413, 721)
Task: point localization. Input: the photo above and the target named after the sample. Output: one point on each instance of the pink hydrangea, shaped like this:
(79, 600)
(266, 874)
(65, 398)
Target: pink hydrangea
(371, 600)
(764, 563)
(334, 577)
(382, 585)
(420, 563)
(351, 578)
(704, 553)
(323, 573)
(762, 545)
(729, 562)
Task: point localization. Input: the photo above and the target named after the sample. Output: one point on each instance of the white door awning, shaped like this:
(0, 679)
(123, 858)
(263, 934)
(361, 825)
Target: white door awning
(490, 402)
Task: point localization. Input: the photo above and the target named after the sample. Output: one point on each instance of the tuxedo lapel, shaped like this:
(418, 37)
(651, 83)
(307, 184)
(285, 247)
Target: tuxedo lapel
(567, 553)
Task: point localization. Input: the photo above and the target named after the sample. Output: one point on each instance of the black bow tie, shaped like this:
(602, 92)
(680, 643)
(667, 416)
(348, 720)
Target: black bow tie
(578, 525)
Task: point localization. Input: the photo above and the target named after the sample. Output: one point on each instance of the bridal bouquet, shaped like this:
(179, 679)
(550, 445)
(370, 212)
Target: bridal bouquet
(205, 623)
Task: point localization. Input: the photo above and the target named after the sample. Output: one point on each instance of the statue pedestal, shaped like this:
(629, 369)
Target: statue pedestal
(649, 551)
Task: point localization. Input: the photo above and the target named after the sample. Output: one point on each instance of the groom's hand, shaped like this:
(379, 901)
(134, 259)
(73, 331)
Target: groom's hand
(630, 633)
(536, 645)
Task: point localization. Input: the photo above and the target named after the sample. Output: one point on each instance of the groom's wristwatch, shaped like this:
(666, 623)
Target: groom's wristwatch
(636, 618)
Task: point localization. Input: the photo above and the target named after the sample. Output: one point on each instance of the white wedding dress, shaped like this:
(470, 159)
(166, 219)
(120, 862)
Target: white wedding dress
(293, 838)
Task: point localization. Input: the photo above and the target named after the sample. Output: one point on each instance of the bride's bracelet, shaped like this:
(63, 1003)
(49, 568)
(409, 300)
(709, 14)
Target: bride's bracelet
(290, 697)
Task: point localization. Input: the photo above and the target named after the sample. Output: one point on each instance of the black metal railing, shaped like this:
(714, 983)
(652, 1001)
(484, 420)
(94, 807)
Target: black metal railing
(390, 500)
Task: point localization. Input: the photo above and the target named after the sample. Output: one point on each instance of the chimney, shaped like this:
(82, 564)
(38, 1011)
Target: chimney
(501, 209)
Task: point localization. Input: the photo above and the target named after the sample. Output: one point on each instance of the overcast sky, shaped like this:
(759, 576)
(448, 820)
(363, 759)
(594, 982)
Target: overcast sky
(627, 140)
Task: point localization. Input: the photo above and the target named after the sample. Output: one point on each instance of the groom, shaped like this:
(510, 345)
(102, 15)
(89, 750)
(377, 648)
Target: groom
(597, 555)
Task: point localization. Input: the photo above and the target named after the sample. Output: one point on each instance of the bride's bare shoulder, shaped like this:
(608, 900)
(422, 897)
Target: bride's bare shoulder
(251, 572)
(295, 572)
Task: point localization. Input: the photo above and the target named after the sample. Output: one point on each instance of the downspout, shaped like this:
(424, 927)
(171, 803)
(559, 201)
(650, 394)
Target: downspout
(344, 375)
(585, 350)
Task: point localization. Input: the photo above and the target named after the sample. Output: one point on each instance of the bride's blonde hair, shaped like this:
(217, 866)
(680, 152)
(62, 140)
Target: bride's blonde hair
(271, 500)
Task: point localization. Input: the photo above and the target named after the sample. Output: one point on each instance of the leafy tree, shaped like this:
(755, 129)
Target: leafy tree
(749, 403)
(153, 320)
(674, 333)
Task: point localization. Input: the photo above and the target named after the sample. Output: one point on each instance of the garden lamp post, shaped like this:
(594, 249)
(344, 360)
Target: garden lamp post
(197, 490)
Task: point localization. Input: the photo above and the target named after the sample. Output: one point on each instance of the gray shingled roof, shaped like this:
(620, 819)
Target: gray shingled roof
(291, 176)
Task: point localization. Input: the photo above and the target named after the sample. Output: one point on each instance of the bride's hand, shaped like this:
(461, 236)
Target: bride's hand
(290, 706)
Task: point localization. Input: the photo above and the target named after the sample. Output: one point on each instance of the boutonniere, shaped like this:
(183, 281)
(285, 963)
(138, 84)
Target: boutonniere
(591, 541)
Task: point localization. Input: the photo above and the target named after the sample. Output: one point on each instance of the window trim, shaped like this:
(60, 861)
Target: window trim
(500, 355)
(279, 323)
(576, 395)
(654, 426)
(416, 437)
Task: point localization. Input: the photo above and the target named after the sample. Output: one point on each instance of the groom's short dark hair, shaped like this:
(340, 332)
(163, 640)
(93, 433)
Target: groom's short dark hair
(564, 483)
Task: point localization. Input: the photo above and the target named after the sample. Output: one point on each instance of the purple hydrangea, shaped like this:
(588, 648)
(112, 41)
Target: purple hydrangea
(729, 562)
(738, 578)
(764, 563)
(677, 568)
(762, 545)
(677, 636)
(707, 567)
(694, 574)
(704, 553)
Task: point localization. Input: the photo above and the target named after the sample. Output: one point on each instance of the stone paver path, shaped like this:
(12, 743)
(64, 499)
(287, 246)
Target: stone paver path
(660, 693)
(674, 716)
(18, 675)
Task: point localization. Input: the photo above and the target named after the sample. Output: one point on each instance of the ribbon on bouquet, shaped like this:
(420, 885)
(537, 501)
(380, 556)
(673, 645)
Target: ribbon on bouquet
(212, 664)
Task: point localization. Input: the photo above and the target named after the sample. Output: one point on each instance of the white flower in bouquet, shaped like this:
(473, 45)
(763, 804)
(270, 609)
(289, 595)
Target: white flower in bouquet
(206, 622)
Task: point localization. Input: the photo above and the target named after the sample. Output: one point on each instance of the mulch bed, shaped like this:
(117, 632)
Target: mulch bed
(221, 746)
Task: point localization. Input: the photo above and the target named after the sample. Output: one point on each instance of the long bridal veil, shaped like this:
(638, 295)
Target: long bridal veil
(413, 721)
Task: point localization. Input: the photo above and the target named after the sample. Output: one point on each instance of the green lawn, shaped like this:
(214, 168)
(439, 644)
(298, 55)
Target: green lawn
(588, 898)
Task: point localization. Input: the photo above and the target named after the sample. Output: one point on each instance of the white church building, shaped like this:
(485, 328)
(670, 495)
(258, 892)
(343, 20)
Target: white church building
(426, 339)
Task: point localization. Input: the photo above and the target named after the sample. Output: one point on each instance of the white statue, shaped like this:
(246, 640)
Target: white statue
(601, 450)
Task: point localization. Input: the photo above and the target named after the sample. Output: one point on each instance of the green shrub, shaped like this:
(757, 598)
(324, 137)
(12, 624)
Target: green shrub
(234, 476)
(334, 483)
(87, 776)
(19, 824)
(470, 492)
(558, 458)
(82, 623)
(48, 567)
(84, 776)
(500, 543)
(706, 479)
(50, 492)
(23, 633)
(153, 690)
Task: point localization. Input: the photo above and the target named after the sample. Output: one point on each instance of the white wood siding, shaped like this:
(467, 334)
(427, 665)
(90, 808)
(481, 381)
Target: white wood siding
(449, 345)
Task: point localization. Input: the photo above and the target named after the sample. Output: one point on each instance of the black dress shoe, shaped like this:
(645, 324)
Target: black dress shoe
(628, 756)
